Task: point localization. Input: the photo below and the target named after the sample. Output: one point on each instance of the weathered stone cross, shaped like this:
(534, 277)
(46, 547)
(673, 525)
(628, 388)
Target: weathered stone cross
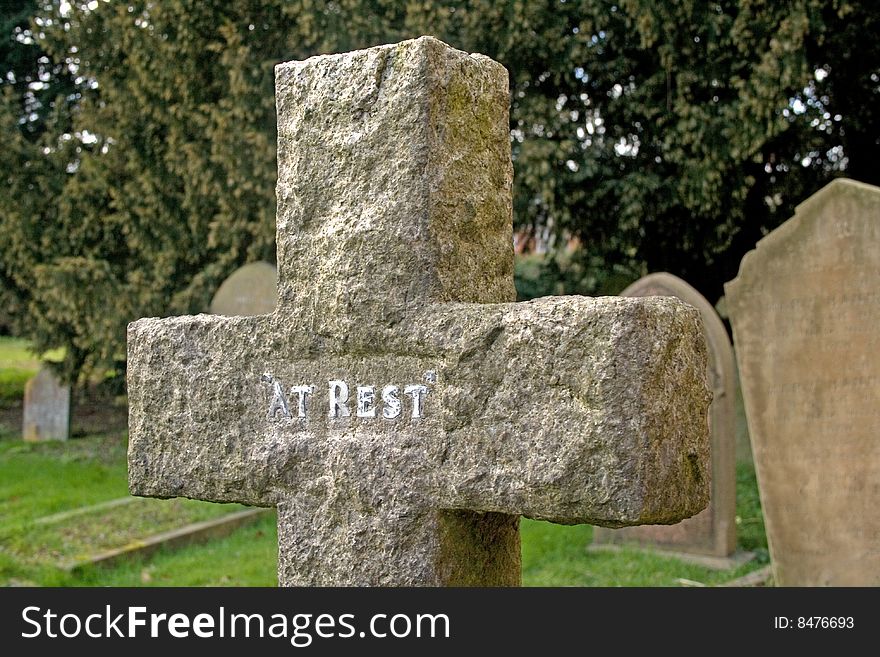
(398, 410)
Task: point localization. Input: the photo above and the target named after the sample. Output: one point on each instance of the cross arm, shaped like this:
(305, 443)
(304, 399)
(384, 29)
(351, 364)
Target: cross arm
(570, 409)
(190, 432)
(573, 409)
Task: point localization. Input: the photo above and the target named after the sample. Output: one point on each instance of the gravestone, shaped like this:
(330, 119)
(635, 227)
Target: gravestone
(46, 408)
(805, 310)
(743, 445)
(711, 532)
(743, 442)
(397, 407)
(249, 290)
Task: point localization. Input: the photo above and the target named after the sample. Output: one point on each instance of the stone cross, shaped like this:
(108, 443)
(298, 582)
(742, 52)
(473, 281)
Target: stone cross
(398, 409)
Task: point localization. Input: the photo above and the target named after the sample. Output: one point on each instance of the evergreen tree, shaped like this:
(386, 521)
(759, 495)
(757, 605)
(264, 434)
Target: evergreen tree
(662, 135)
(35, 99)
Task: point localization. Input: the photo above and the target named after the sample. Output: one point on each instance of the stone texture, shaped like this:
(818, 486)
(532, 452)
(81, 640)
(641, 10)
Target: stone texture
(46, 408)
(395, 269)
(806, 321)
(743, 442)
(250, 290)
(713, 530)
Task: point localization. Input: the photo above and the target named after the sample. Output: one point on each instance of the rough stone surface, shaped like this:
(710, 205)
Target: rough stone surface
(249, 290)
(46, 408)
(713, 530)
(805, 311)
(395, 268)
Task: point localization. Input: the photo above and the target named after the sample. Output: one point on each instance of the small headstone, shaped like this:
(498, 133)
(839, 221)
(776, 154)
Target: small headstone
(713, 530)
(805, 310)
(46, 408)
(397, 407)
(250, 290)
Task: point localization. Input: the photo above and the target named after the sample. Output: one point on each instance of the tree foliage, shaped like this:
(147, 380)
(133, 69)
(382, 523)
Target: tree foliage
(35, 95)
(662, 135)
(706, 124)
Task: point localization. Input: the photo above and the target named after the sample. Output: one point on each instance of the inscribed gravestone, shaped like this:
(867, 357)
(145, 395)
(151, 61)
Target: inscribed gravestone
(805, 310)
(713, 530)
(46, 408)
(396, 407)
(249, 290)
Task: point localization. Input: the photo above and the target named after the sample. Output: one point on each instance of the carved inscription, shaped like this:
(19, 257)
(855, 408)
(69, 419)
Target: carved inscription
(367, 401)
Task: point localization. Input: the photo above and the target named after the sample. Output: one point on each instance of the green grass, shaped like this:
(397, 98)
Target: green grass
(40, 479)
(12, 382)
(247, 557)
(77, 538)
(43, 479)
(556, 555)
(16, 353)
(750, 534)
(18, 364)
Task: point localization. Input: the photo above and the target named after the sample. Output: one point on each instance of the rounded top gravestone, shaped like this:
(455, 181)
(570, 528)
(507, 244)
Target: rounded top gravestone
(249, 290)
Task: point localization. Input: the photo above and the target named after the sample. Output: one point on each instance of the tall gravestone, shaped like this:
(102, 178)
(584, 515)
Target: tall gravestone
(252, 289)
(46, 408)
(398, 409)
(711, 532)
(805, 310)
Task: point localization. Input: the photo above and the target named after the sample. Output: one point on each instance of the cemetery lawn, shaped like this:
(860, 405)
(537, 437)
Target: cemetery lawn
(554, 555)
(45, 479)
(40, 479)
(45, 525)
(17, 365)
